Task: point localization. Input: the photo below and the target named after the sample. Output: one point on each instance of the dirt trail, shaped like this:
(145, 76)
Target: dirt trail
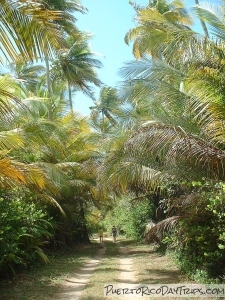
(155, 269)
(128, 274)
(123, 264)
(74, 285)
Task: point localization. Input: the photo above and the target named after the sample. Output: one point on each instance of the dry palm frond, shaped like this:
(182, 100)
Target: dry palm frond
(9, 171)
(155, 234)
(177, 209)
(180, 204)
(14, 173)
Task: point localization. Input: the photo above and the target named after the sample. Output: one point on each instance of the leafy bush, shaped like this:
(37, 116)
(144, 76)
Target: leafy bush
(24, 230)
(199, 240)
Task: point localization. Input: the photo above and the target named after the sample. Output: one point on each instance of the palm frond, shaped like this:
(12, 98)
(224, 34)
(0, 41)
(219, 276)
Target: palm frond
(173, 145)
(10, 98)
(156, 232)
(14, 173)
(9, 171)
(213, 15)
(27, 28)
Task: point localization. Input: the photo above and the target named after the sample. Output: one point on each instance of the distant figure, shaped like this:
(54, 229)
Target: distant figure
(114, 233)
(100, 233)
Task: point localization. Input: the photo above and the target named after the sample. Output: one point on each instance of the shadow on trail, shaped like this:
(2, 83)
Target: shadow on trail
(94, 298)
(107, 269)
(138, 252)
(161, 276)
(127, 281)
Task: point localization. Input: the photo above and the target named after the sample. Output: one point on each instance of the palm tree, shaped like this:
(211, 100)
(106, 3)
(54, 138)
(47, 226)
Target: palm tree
(26, 73)
(188, 94)
(69, 160)
(13, 138)
(59, 148)
(173, 129)
(183, 139)
(75, 65)
(67, 8)
(107, 104)
(51, 157)
(158, 24)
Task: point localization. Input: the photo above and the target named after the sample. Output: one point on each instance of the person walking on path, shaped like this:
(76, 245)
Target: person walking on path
(100, 234)
(114, 233)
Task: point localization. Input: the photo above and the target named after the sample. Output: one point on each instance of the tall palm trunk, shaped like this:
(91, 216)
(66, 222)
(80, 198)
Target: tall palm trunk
(70, 97)
(103, 122)
(203, 23)
(49, 87)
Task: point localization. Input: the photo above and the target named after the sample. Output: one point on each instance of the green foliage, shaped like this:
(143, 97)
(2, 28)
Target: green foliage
(93, 217)
(72, 226)
(24, 230)
(129, 218)
(199, 240)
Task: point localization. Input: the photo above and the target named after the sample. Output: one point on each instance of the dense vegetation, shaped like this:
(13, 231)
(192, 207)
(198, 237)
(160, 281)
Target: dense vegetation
(151, 152)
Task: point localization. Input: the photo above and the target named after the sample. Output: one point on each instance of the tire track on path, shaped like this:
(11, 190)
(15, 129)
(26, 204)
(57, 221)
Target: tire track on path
(128, 274)
(74, 285)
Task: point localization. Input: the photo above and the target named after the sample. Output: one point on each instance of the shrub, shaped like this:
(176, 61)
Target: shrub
(199, 240)
(24, 230)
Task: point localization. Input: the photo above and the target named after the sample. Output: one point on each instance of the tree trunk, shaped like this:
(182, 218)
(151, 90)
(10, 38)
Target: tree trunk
(50, 112)
(203, 23)
(70, 97)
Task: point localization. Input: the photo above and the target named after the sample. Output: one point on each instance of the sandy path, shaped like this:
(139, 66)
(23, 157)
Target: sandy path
(74, 285)
(128, 274)
(156, 269)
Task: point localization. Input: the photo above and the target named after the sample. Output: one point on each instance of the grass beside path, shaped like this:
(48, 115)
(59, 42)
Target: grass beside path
(43, 281)
(154, 267)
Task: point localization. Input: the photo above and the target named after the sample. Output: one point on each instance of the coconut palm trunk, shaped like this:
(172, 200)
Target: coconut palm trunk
(203, 23)
(70, 97)
(49, 86)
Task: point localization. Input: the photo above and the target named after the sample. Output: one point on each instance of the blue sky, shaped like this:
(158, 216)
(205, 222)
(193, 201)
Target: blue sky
(108, 21)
